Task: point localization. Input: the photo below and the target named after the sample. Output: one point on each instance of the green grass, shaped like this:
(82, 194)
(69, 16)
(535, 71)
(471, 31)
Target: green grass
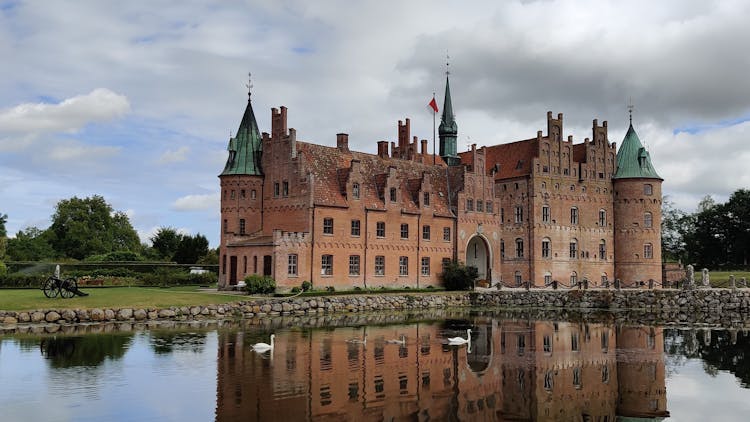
(113, 297)
(721, 278)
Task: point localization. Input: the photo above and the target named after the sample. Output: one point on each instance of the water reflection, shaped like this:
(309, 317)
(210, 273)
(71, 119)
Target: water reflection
(89, 351)
(512, 370)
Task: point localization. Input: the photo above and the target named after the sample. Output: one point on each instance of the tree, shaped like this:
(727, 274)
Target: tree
(165, 242)
(190, 249)
(674, 225)
(3, 235)
(31, 244)
(737, 211)
(83, 227)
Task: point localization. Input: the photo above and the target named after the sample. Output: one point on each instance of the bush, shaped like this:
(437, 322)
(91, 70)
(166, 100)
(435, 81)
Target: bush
(306, 286)
(256, 284)
(116, 256)
(330, 289)
(295, 290)
(457, 276)
(3, 269)
(14, 280)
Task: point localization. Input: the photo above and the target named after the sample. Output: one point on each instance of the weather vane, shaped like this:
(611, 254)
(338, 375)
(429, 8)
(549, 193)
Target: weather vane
(249, 83)
(630, 109)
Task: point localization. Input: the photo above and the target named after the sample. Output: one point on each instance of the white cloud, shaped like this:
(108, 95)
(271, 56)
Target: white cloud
(69, 115)
(197, 202)
(74, 151)
(174, 156)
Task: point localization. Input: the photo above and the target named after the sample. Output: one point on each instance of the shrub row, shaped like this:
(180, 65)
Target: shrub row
(158, 278)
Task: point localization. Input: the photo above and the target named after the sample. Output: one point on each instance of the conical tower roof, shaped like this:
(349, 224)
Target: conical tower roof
(448, 124)
(633, 161)
(245, 149)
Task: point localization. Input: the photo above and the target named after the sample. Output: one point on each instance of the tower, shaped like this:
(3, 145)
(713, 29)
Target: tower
(637, 208)
(448, 130)
(241, 184)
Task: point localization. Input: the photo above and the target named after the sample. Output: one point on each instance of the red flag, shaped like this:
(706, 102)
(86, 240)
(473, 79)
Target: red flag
(433, 105)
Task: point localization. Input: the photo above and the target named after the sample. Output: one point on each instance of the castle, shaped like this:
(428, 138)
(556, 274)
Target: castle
(537, 210)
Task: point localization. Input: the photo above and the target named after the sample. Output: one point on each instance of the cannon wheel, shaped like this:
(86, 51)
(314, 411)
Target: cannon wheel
(68, 288)
(50, 288)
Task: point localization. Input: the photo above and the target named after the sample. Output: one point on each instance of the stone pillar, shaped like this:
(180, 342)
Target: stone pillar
(705, 278)
(690, 282)
(732, 284)
(617, 283)
(743, 282)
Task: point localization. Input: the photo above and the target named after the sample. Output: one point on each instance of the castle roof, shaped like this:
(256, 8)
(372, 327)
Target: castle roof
(245, 148)
(331, 170)
(633, 161)
(513, 159)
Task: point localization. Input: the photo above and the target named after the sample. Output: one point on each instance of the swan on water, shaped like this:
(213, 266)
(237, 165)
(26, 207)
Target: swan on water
(460, 340)
(263, 347)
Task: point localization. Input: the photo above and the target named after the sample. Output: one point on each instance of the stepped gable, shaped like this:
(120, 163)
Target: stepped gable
(331, 170)
(514, 159)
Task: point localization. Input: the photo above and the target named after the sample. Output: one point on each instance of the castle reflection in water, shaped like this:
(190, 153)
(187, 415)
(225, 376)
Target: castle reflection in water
(514, 371)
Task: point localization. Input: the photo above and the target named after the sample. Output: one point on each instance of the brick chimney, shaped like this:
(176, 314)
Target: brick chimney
(383, 149)
(342, 142)
(424, 146)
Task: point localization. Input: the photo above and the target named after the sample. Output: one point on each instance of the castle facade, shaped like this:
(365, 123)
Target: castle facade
(537, 210)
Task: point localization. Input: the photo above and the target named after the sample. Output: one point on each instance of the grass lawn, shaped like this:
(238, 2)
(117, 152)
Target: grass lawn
(112, 297)
(721, 278)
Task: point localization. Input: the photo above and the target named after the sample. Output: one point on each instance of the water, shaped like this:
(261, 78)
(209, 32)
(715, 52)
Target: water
(514, 368)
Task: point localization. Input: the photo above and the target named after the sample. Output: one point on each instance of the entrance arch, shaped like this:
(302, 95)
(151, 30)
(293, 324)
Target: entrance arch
(478, 255)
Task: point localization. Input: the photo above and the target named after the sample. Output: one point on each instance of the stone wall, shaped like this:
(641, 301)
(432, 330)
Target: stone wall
(659, 305)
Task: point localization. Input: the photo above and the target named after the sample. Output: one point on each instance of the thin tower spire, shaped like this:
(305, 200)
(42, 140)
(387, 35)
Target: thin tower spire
(630, 109)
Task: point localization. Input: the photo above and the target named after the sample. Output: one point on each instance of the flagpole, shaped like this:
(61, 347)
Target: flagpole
(433, 132)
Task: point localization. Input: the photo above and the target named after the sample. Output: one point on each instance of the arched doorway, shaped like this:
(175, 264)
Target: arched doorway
(478, 255)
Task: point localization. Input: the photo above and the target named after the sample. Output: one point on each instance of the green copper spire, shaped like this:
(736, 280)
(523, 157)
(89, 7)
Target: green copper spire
(448, 130)
(633, 161)
(245, 149)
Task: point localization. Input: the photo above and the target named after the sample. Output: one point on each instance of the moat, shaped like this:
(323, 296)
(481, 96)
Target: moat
(382, 366)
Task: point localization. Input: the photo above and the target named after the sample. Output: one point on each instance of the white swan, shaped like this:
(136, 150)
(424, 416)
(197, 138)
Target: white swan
(456, 341)
(264, 347)
(401, 341)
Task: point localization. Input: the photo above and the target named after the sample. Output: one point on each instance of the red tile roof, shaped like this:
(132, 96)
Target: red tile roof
(514, 159)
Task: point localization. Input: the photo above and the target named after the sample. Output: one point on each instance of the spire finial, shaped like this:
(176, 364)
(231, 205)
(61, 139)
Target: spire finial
(447, 63)
(630, 109)
(249, 84)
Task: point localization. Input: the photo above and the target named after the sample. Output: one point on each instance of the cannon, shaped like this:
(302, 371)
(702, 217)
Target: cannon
(66, 288)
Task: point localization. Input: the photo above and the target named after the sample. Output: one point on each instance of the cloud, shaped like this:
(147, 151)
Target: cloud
(174, 156)
(197, 202)
(69, 115)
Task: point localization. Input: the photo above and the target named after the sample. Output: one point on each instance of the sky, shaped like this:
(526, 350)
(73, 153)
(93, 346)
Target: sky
(135, 101)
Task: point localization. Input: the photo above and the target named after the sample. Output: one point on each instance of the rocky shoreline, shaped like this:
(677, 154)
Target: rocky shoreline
(717, 306)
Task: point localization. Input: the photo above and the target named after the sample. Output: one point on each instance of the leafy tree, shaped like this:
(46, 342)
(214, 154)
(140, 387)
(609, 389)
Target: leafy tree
(737, 211)
(3, 234)
(674, 224)
(31, 244)
(83, 227)
(165, 242)
(457, 276)
(190, 249)
(211, 258)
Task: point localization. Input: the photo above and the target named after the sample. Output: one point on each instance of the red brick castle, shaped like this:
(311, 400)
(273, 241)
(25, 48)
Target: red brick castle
(537, 210)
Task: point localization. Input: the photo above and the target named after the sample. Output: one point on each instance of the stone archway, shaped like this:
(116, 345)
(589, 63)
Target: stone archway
(478, 255)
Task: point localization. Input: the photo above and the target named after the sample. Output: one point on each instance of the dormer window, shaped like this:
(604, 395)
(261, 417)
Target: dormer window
(426, 199)
(393, 194)
(355, 190)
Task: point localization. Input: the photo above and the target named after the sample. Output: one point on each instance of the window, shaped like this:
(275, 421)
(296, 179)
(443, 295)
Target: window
(353, 264)
(253, 194)
(425, 266)
(285, 189)
(605, 341)
(519, 214)
(605, 374)
(521, 343)
(573, 249)
(480, 206)
(393, 194)
(602, 218)
(469, 205)
(380, 265)
(328, 226)
(648, 251)
(648, 189)
(502, 215)
(403, 265)
(577, 377)
(547, 344)
(502, 249)
(355, 190)
(573, 279)
(574, 215)
(380, 229)
(490, 207)
(545, 214)
(291, 267)
(404, 231)
(242, 226)
(326, 265)
(547, 279)
(276, 189)
(519, 248)
(426, 232)
(545, 247)
(517, 278)
(226, 226)
(426, 199)
(242, 193)
(574, 342)
(355, 227)
(549, 381)
(446, 263)
(447, 234)
(231, 196)
(648, 220)
(602, 249)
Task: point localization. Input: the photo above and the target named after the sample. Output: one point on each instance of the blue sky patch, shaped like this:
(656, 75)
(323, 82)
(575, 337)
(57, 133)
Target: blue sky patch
(695, 129)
